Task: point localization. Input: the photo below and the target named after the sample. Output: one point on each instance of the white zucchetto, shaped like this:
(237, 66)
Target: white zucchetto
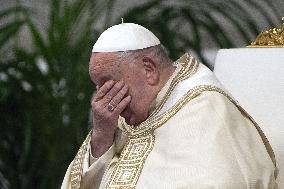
(124, 37)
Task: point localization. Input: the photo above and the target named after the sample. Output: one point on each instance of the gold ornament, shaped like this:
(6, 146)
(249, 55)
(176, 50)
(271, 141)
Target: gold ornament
(271, 38)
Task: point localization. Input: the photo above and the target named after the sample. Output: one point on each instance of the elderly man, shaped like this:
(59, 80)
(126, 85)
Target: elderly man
(164, 124)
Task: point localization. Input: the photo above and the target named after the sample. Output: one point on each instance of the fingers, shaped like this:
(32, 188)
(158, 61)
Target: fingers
(122, 105)
(120, 95)
(103, 90)
(112, 92)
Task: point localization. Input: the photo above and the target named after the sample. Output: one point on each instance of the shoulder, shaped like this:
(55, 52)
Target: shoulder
(212, 110)
(211, 101)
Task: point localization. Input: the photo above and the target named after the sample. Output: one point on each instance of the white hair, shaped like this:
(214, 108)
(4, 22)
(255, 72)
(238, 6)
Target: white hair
(158, 53)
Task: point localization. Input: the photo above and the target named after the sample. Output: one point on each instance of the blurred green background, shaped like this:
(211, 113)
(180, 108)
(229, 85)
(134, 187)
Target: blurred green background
(45, 88)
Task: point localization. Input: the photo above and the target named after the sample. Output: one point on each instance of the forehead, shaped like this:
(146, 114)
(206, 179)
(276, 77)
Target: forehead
(103, 62)
(103, 65)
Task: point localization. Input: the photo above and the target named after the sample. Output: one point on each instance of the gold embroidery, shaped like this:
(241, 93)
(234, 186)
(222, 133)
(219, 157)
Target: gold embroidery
(196, 91)
(130, 165)
(76, 169)
(189, 67)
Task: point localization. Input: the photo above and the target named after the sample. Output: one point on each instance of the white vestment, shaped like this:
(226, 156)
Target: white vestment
(196, 136)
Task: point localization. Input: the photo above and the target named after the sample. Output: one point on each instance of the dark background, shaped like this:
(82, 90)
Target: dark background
(45, 47)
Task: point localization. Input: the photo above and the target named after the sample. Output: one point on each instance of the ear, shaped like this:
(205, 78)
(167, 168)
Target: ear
(151, 71)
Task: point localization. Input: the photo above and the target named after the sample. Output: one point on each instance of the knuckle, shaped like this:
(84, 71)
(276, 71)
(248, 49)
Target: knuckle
(94, 99)
(99, 93)
(96, 107)
(117, 99)
(93, 103)
(108, 97)
(122, 93)
(116, 88)
(114, 101)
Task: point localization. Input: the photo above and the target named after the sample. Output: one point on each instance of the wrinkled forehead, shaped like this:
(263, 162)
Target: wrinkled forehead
(102, 62)
(103, 59)
(103, 65)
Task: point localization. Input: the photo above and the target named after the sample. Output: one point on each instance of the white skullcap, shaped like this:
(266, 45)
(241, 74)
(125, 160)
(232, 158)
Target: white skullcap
(124, 37)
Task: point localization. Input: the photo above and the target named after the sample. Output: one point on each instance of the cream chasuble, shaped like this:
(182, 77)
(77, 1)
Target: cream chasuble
(196, 136)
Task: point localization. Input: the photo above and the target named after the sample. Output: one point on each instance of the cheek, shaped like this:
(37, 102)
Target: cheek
(137, 91)
(134, 105)
(138, 102)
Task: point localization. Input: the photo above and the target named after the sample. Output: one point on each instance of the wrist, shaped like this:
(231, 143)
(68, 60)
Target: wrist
(102, 134)
(101, 142)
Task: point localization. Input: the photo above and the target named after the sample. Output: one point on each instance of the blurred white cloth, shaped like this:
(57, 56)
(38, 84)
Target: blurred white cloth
(255, 77)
